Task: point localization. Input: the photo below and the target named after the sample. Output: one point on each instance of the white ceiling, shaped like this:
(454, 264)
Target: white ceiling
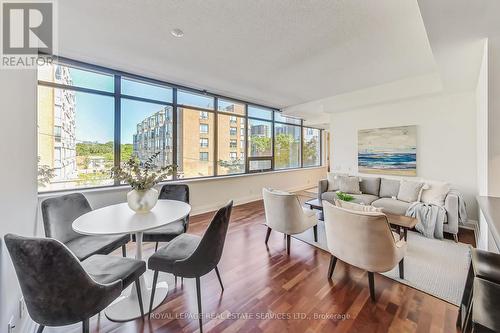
(279, 53)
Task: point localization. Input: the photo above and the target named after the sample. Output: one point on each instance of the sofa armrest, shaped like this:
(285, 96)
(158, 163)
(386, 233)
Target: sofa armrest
(451, 207)
(322, 187)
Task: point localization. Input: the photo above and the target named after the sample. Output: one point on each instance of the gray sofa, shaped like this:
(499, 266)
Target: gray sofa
(382, 193)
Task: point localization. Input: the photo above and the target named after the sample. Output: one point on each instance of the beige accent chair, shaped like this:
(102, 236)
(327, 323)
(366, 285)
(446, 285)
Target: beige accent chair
(364, 240)
(285, 214)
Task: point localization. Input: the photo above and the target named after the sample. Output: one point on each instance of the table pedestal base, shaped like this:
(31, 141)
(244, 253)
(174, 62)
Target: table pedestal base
(126, 308)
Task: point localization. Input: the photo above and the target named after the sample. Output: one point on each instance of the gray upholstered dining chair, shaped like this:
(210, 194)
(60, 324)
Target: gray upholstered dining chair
(192, 256)
(179, 192)
(59, 289)
(58, 214)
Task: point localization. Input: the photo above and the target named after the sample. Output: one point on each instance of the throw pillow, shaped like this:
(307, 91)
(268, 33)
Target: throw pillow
(349, 185)
(436, 193)
(409, 191)
(389, 188)
(356, 207)
(370, 185)
(334, 180)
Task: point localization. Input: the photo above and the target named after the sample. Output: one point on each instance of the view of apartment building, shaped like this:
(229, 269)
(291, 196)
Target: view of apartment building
(56, 124)
(154, 134)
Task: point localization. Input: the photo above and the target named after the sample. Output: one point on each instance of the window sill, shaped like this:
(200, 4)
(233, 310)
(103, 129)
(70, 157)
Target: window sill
(112, 188)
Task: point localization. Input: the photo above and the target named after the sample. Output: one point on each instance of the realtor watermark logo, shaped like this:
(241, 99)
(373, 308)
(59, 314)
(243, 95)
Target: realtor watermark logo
(28, 33)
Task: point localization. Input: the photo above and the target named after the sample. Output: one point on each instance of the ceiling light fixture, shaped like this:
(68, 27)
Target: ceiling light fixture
(177, 33)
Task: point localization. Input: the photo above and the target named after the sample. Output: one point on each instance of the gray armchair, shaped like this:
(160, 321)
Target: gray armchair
(179, 192)
(192, 256)
(58, 214)
(59, 290)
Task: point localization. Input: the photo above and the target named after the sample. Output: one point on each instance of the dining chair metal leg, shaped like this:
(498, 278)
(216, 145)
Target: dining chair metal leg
(268, 233)
(175, 277)
(153, 289)
(218, 276)
(139, 296)
(86, 326)
(402, 269)
(124, 251)
(288, 244)
(198, 296)
(315, 231)
(40, 329)
(333, 262)
(371, 283)
(156, 247)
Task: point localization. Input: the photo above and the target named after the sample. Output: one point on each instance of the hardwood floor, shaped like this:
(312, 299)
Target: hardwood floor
(268, 291)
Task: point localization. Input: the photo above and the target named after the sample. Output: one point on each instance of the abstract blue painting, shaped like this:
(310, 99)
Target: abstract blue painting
(391, 151)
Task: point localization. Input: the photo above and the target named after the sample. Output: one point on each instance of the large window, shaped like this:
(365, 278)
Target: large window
(92, 118)
(75, 130)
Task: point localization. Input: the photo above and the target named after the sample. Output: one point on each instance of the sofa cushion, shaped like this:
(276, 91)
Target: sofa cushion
(349, 184)
(435, 193)
(389, 188)
(409, 191)
(392, 206)
(370, 185)
(334, 180)
(329, 196)
(365, 199)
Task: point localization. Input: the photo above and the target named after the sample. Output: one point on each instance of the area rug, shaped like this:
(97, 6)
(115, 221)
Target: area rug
(436, 267)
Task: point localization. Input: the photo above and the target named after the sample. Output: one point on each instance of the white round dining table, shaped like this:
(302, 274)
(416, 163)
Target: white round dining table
(120, 219)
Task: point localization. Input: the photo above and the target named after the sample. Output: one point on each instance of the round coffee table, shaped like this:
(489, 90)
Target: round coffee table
(120, 219)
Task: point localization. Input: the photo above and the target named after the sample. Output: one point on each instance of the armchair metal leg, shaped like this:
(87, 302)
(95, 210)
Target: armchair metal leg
(139, 296)
(218, 276)
(156, 247)
(153, 289)
(288, 237)
(333, 262)
(198, 296)
(315, 231)
(86, 326)
(124, 251)
(455, 237)
(40, 329)
(268, 234)
(371, 283)
(402, 269)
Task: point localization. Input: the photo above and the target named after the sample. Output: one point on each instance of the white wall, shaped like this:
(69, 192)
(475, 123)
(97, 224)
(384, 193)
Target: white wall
(494, 116)
(18, 197)
(482, 124)
(446, 138)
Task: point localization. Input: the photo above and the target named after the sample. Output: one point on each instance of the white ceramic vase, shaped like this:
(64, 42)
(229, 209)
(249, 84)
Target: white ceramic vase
(142, 201)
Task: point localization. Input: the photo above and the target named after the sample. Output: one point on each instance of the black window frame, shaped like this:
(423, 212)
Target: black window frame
(118, 96)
